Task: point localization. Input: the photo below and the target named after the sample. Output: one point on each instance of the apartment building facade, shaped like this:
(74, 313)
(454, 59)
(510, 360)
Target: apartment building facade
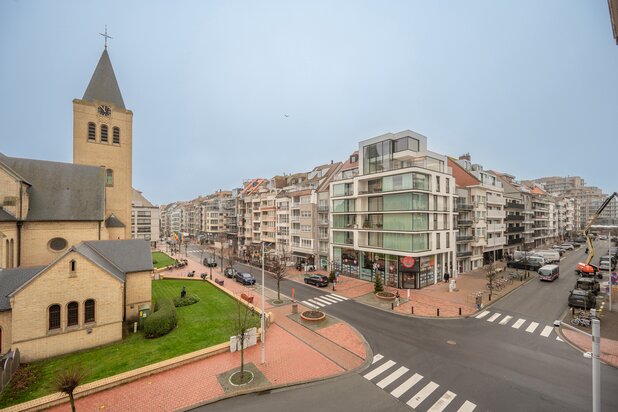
(145, 219)
(395, 217)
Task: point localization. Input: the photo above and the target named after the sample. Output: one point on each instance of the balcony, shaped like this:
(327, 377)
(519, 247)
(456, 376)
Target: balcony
(495, 200)
(295, 218)
(515, 229)
(496, 241)
(496, 227)
(513, 205)
(514, 218)
(323, 208)
(323, 223)
(464, 238)
(344, 242)
(496, 214)
(463, 206)
(515, 241)
(467, 253)
(464, 222)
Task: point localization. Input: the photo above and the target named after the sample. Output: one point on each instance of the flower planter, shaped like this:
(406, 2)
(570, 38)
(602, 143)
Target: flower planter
(313, 315)
(386, 295)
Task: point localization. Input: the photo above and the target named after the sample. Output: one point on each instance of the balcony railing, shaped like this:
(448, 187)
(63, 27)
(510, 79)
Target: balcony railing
(464, 254)
(463, 222)
(323, 222)
(496, 214)
(323, 208)
(464, 238)
(464, 206)
(515, 241)
(515, 229)
(514, 218)
(513, 205)
(295, 218)
(344, 242)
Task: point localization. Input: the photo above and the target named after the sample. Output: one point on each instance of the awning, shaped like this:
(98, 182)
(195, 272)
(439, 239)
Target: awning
(302, 254)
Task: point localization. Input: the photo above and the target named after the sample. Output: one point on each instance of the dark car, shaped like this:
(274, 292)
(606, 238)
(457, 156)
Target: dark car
(590, 284)
(584, 299)
(244, 278)
(210, 262)
(229, 272)
(317, 280)
(524, 264)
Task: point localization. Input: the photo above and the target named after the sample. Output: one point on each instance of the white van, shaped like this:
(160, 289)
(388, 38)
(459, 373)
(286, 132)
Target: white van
(549, 272)
(550, 256)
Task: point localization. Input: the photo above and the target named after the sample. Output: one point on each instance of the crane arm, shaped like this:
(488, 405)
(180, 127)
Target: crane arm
(593, 219)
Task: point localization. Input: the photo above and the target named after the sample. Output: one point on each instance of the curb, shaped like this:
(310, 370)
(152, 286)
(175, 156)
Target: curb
(497, 300)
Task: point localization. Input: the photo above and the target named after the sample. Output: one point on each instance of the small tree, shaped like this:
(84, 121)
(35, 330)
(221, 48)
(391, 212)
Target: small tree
(66, 382)
(378, 286)
(280, 270)
(241, 322)
(490, 274)
(230, 258)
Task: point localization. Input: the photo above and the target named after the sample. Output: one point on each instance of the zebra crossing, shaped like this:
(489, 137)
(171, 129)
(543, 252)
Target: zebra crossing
(400, 384)
(532, 327)
(323, 300)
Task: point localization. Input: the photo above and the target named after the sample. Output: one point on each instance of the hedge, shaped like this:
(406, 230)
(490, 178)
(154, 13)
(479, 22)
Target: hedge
(186, 301)
(162, 320)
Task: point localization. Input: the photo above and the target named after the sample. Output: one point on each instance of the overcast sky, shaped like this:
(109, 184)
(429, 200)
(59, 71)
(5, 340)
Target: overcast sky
(527, 87)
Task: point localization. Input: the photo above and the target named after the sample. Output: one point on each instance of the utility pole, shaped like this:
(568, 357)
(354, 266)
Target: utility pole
(609, 267)
(262, 320)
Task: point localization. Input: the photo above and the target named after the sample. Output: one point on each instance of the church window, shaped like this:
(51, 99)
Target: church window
(89, 311)
(103, 133)
(72, 266)
(57, 244)
(72, 314)
(109, 177)
(116, 136)
(54, 317)
(92, 129)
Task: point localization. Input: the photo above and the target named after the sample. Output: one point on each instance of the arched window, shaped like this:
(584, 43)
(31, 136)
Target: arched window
(54, 317)
(73, 314)
(109, 177)
(116, 135)
(92, 130)
(103, 133)
(89, 311)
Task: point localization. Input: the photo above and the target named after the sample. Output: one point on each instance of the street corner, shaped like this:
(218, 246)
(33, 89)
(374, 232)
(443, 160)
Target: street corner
(347, 337)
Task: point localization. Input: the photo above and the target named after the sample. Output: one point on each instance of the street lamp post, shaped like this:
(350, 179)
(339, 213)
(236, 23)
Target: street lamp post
(596, 364)
(262, 317)
(609, 267)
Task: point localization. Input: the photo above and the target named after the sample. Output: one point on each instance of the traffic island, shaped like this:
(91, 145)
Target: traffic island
(313, 316)
(386, 296)
(312, 324)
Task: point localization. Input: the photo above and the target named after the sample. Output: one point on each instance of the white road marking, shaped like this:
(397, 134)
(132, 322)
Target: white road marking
(410, 382)
(311, 305)
(392, 377)
(547, 331)
(341, 297)
(482, 314)
(376, 358)
(467, 407)
(316, 303)
(442, 402)
(494, 317)
(324, 301)
(422, 394)
(337, 298)
(329, 299)
(379, 370)
(505, 320)
(532, 327)
(559, 338)
(518, 324)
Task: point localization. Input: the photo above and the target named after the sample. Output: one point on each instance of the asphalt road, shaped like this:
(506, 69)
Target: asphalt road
(463, 361)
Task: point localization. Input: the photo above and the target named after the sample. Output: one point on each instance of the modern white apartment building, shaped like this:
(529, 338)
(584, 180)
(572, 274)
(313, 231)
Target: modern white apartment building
(145, 218)
(395, 217)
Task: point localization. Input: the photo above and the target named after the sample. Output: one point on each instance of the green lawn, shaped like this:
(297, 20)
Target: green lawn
(203, 324)
(161, 260)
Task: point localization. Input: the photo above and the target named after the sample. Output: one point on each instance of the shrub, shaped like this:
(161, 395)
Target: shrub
(186, 301)
(162, 320)
(154, 262)
(377, 285)
(332, 276)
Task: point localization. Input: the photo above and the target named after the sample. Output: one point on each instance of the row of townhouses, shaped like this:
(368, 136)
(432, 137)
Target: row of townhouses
(393, 209)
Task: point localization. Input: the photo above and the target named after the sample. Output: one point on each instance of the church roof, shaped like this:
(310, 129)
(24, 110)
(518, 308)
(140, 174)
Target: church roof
(103, 86)
(6, 216)
(113, 221)
(131, 255)
(13, 279)
(61, 191)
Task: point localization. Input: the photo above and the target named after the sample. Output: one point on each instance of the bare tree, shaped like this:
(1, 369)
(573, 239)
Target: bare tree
(279, 269)
(490, 274)
(221, 251)
(230, 258)
(242, 320)
(67, 381)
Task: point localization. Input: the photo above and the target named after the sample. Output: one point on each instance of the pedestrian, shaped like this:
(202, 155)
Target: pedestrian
(479, 301)
(446, 276)
(397, 298)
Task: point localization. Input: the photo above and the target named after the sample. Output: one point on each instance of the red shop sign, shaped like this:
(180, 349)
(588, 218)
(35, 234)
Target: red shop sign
(408, 262)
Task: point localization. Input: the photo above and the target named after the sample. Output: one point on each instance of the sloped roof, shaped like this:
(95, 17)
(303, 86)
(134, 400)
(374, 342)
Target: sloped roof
(113, 221)
(103, 86)
(100, 261)
(6, 216)
(131, 255)
(462, 176)
(13, 279)
(61, 191)
(139, 200)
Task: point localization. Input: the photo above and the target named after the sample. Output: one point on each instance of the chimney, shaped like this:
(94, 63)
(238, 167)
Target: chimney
(465, 156)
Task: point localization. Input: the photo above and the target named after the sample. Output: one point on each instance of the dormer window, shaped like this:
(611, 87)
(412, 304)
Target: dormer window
(103, 133)
(92, 130)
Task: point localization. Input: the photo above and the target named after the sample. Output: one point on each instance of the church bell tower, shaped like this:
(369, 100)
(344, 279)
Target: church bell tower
(102, 137)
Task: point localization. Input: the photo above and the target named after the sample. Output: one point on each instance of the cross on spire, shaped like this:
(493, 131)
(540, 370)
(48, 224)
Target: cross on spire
(106, 36)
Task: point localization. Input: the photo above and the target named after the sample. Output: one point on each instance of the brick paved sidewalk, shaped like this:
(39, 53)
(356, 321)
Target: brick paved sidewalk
(294, 354)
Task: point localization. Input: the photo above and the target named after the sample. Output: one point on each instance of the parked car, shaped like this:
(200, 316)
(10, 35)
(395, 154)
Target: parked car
(317, 280)
(549, 272)
(526, 264)
(560, 249)
(590, 284)
(229, 272)
(567, 246)
(606, 263)
(574, 244)
(584, 299)
(244, 278)
(210, 262)
(580, 240)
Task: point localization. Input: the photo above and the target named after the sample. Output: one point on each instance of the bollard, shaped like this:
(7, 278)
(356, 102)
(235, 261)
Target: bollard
(412, 309)
(392, 306)
(459, 311)
(438, 311)
(490, 297)
(572, 311)
(294, 308)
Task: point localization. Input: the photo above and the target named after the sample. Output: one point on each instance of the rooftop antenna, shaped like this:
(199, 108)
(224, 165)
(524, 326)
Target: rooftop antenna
(106, 36)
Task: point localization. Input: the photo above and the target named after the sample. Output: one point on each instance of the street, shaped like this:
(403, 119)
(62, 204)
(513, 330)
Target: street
(506, 360)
